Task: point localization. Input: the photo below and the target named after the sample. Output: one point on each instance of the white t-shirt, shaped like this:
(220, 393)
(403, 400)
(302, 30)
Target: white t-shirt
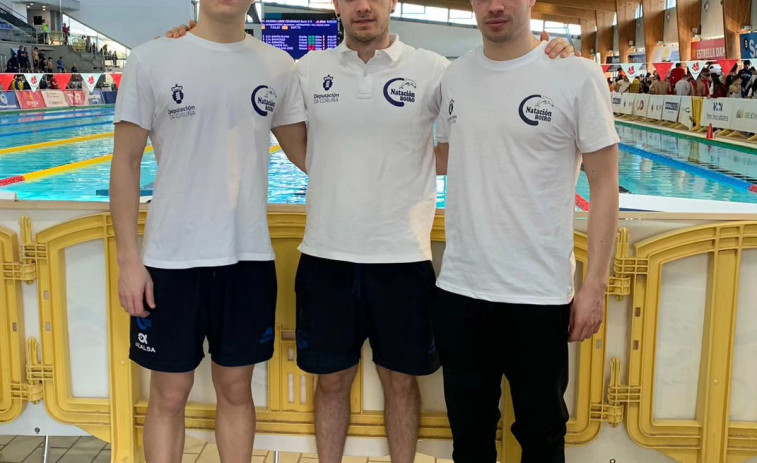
(209, 108)
(516, 131)
(683, 87)
(372, 173)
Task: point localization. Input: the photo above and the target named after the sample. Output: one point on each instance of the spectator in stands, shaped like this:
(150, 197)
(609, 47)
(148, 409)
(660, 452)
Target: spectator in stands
(60, 64)
(54, 83)
(683, 87)
(13, 66)
(35, 57)
(702, 84)
(623, 84)
(18, 83)
(658, 87)
(646, 83)
(43, 85)
(49, 66)
(751, 83)
(734, 90)
(676, 75)
(23, 59)
(719, 90)
(66, 33)
(745, 75)
(635, 86)
(45, 31)
(74, 69)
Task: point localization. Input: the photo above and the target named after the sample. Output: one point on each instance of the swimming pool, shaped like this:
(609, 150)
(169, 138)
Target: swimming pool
(651, 163)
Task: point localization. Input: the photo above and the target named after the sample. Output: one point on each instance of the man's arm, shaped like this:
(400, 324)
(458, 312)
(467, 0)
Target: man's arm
(294, 142)
(134, 281)
(441, 152)
(588, 307)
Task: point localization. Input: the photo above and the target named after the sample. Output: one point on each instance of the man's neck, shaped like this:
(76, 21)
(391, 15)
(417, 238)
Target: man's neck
(219, 32)
(366, 50)
(512, 49)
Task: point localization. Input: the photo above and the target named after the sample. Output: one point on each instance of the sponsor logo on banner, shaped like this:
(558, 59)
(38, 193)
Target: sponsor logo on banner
(684, 112)
(696, 67)
(30, 100)
(746, 116)
(8, 101)
(264, 100)
(616, 99)
(399, 91)
(656, 103)
(641, 105)
(75, 98)
(54, 98)
(95, 98)
(708, 49)
(90, 80)
(671, 106)
(748, 45)
(536, 108)
(33, 80)
(718, 112)
(631, 69)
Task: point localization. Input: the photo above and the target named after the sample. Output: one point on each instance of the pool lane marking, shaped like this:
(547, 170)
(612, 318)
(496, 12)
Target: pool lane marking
(48, 144)
(53, 129)
(40, 174)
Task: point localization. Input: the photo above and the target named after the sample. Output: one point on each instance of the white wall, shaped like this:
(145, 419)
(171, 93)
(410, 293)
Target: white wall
(712, 19)
(670, 27)
(449, 41)
(134, 21)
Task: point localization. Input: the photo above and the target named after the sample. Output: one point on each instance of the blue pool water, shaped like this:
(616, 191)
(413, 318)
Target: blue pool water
(650, 163)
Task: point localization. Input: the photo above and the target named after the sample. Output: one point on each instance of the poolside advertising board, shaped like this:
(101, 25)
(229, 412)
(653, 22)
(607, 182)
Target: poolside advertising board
(641, 105)
(719, 112)
(627, 106)
(656, 103)
(30, 100)
(670, 108)
(617, 101)
(75, 98)
(54, 98)
(95, 98)
(745, 117)
(8, 101)
(685, 115)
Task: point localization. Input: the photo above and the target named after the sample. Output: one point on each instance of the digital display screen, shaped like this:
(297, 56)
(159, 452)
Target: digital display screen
(299, 36)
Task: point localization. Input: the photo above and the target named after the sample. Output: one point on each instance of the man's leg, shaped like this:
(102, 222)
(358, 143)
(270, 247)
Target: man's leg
(536, 364)
(402, 403)
(164, 423)
(235, 412)
(332, 413)
(469, 343)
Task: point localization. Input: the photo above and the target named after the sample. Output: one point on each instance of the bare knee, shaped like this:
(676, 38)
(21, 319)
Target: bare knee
(233, 385)
(337, 383)
(169, 392)
(397, 384)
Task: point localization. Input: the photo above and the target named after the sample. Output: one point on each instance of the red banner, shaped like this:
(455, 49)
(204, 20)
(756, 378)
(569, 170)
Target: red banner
(708, 49)
(5, 81)
(662, 69)
(63, 80)
(75, 98)
(727, 65)
(116, 80)
(605, 67)
(30, 100)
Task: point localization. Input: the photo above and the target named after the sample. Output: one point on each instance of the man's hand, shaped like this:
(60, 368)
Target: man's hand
(180, 31)
(134, 286)
(557, 47)
(586, 313)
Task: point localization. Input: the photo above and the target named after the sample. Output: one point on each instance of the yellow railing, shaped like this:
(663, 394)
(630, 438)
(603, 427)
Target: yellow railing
(600, 396)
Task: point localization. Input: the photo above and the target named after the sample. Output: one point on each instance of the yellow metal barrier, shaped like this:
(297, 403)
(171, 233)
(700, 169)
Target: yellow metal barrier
(711, 437)
(14, 390)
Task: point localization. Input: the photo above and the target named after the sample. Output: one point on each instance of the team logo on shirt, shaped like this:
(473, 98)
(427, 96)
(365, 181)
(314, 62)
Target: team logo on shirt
(451, 110)
(536, 108)
(451, 106)
(264, 100)
(328, 82)
(178, 94)
(399, 91)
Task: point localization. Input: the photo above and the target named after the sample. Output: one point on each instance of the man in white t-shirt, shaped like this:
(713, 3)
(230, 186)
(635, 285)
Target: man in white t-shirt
(206, 268)
(506, 300)
(683, 87)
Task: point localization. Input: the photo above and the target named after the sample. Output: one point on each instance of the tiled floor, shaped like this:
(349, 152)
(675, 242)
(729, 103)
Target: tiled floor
(22, 449)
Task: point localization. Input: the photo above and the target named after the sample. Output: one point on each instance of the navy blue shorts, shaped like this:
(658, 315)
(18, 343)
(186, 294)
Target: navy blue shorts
(341, 304)
(233, 306)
